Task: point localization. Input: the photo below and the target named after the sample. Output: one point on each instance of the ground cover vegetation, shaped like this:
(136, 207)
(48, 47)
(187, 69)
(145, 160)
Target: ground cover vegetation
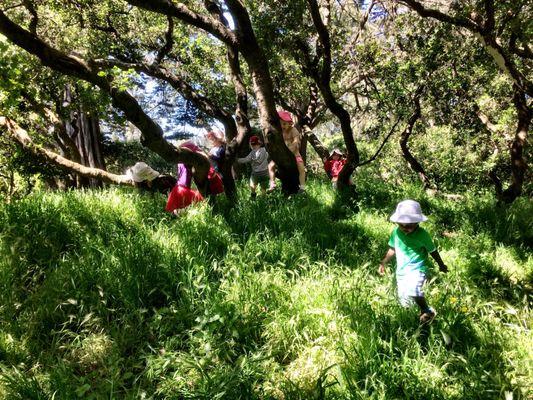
(106, 296)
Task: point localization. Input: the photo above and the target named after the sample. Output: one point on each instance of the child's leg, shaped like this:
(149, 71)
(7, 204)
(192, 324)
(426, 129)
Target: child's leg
(253, 187)
(421, 303)
(301, 173)
(272, 174)
(410, 289)
(263, 184)
(426, 312)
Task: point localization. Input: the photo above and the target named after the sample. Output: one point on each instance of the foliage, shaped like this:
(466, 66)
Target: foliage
(106, 296)
(120, 155)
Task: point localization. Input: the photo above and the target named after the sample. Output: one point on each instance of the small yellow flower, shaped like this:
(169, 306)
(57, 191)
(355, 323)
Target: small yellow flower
(464, 309)
(453, 300)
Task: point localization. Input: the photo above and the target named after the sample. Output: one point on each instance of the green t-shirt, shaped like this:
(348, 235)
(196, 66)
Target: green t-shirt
(411, 250)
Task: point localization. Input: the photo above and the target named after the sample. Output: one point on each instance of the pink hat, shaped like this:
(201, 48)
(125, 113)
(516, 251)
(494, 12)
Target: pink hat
(285, 116)
(191, 146)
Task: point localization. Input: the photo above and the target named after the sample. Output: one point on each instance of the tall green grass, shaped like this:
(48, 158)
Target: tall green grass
(104, 295)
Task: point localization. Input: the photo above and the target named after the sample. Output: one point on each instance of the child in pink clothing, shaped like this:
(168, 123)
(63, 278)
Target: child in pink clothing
(182, 195)
(218, 151)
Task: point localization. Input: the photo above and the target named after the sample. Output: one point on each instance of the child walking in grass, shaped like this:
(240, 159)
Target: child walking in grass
(411, 245)
(258, 157)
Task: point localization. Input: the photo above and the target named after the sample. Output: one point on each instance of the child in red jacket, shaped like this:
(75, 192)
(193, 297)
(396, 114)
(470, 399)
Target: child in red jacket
(333, 165)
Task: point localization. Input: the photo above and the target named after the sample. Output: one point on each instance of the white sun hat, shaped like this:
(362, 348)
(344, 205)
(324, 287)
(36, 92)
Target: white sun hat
(141, 172)
(408, 212)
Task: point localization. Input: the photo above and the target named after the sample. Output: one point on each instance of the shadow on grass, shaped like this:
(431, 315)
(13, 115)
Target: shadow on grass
(79, 266)
(385, 358)
(493, 284)
(281, 229)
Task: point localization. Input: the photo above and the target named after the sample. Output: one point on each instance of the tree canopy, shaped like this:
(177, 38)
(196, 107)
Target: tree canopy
(362, 66)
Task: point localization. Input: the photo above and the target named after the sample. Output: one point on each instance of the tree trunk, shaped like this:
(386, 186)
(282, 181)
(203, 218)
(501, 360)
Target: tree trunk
(317, 145)
(404, 145)
(264, 94)
(89, 143)
(242, 121)
(518, 162)
(322, 78)
(308, 123)
(83, 130)
(263, 89)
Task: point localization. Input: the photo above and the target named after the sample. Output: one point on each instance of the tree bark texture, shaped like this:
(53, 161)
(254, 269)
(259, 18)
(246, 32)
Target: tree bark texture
(244, 129)
(89, 143)
(309, 121)
(83, 130)
(322, 78)
(518, 161)
(404, 145)
(263, 87)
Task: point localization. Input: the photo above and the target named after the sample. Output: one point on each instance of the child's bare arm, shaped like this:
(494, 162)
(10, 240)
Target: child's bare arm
(390, 253)
(246, 159)
(438, 260)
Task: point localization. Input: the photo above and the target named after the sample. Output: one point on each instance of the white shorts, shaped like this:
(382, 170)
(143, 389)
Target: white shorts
(409, 286)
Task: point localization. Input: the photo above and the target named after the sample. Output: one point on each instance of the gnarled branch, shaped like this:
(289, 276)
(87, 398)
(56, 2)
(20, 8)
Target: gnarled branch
(22, 138)
(185, 14)
(152, 134)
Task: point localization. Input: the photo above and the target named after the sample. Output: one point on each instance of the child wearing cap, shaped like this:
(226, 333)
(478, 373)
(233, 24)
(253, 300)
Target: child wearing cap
(333, 165)
(292, 139)
(258, 157)
(411, 245)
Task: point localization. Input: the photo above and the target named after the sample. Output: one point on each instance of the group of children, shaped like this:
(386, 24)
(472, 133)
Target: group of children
(180, 191)
(263, 168)
(263, 174)
(408, 242)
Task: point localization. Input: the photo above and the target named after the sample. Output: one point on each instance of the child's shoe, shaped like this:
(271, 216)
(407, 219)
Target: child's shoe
(426, 317)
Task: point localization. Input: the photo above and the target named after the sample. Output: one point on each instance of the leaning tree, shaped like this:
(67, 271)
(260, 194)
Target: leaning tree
(86, 63)
(504, 30)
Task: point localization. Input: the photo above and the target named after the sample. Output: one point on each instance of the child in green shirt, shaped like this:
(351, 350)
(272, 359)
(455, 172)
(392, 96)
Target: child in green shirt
(411, 244)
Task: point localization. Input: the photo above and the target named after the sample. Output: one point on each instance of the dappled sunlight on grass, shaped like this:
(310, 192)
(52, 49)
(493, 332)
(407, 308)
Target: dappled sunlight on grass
(103, 294)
